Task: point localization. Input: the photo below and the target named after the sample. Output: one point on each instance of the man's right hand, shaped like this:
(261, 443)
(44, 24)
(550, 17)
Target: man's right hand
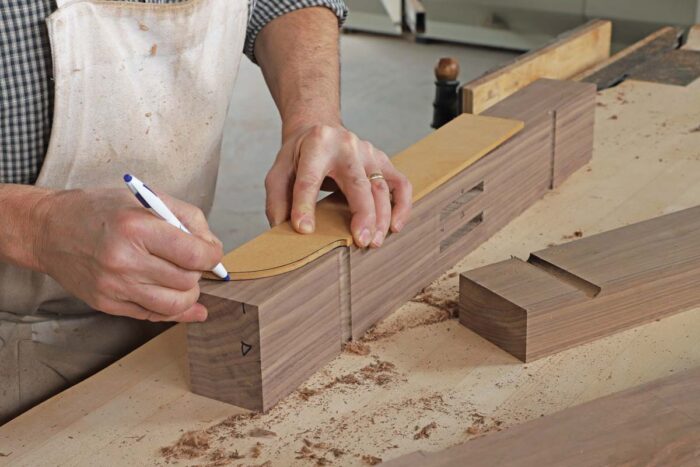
(106, 249)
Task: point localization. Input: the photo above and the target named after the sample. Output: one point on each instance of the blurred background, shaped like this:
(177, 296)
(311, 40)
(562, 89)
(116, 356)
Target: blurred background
(388, 51)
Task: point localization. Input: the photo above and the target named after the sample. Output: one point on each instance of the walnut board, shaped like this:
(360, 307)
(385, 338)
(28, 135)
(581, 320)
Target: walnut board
(645, 164)
(427, 164)
(265, 336)
(564, 57)
(657, 423)
(574, 293)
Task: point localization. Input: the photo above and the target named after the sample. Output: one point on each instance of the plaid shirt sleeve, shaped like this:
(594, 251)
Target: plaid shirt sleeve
(26, 88)
(264, 11)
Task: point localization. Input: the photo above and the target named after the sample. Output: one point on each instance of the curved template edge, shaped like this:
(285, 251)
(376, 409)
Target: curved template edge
(503, 130)
(248, 275)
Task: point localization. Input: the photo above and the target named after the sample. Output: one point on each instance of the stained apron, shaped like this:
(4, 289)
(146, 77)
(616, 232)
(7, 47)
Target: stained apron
(139, 88)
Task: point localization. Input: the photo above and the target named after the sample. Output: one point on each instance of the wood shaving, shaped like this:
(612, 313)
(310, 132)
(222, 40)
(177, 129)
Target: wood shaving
(345, 379)
(576, 234)
(444, 310)
(261, 433)
(306, 393)
(371, 460)
(190, 445)
(424, 432)
(305, 453)
(219, 457)
(357, 348)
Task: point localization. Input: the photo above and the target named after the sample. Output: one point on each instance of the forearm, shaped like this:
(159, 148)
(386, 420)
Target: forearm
(20, 219)
(299, 57)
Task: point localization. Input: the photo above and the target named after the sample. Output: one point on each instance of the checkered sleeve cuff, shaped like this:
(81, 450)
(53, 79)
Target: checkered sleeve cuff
(264, 11)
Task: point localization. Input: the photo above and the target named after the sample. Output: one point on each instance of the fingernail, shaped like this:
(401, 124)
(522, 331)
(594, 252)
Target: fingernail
(203, 315)
(306, 226)
(398, 225)
(365, 237)
(378, 239)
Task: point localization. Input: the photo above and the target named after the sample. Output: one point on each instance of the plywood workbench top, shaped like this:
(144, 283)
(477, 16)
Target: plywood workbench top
(440, 384)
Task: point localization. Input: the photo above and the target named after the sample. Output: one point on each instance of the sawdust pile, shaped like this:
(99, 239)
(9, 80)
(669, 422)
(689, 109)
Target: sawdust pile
(424, 433)
(199, 444)
(441, 310)
(190, 445)
(379, 373)
(318, 452)
(371, 460)
(357, 348)
(480, 425)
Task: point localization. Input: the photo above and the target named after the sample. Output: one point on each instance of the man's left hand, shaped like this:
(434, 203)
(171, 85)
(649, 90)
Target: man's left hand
(329, 157)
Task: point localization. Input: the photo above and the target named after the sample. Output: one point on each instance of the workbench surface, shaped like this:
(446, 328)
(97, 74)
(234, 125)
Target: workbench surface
(442, 384)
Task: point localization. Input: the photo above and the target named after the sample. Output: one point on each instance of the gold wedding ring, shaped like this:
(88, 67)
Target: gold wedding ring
(375, 176)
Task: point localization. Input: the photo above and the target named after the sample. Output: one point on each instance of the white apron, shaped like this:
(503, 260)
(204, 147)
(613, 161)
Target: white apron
(142, 89)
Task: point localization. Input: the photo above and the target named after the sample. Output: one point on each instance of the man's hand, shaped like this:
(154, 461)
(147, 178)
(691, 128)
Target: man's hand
(312, 157)
(298, 54)
(107, 250)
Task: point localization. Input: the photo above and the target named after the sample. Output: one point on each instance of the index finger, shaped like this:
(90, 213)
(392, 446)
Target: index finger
(311, 171)
(402, 192)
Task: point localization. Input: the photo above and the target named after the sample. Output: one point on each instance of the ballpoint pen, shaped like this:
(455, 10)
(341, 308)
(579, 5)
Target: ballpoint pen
(151, 201)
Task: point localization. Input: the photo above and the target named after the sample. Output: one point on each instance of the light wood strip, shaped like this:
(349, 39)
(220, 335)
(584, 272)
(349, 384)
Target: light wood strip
(566, 56)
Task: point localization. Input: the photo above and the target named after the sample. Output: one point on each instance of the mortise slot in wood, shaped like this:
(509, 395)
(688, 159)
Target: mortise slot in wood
(462, 231)
(563, 275)
(465, 198)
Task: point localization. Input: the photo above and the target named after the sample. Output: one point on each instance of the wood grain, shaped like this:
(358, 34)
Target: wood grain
(678, 67)
(428, 164)
(477, 203)
(657, 423)
(264, 337)
(294, 323)
(566, 56)
(581, 291)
